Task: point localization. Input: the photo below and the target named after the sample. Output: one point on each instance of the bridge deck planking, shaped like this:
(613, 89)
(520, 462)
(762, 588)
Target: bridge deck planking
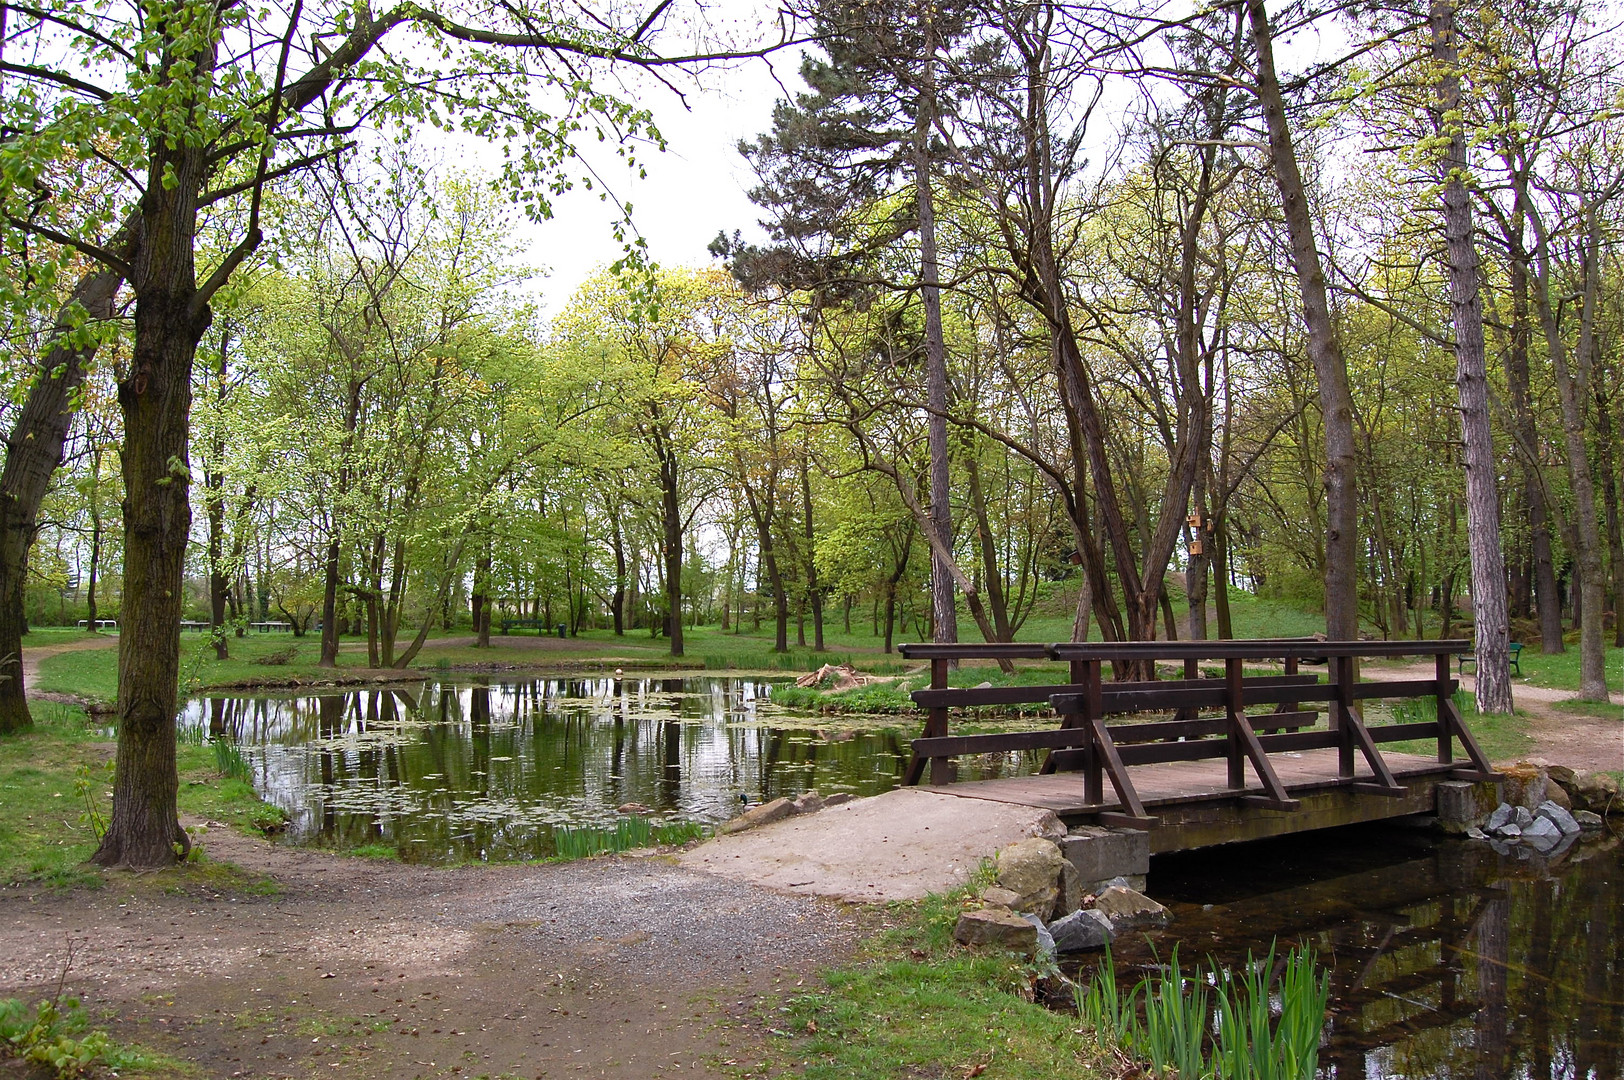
(1180, 782)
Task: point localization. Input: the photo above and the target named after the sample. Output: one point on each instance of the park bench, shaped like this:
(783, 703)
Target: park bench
(194, 624)
(1513, 659)
(269, 625)
(101, 624)
(1097, 735)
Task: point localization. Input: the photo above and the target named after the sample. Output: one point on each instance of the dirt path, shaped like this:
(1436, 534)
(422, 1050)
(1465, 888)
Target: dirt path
(1560, 736)
(32, 656)
(620, 967)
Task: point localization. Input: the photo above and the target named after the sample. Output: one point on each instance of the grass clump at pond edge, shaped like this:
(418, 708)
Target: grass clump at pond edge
(1217, 1024)
(918, 1004)
(56, 796)
(627, 834)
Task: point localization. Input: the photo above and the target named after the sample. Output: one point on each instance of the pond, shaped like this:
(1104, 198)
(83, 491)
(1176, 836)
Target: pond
(457, 770)
(1447, 960)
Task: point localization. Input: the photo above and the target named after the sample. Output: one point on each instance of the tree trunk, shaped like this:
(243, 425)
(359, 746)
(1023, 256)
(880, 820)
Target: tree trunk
(1493, 629)
(1324, 350)
(1607, 461)
(671, 526)
(155, 399)
(943, 602)
(1572, 391)
(1220, 577)
(813, 590)
(483, 601)
(330, 566)
(992, 579)
(33, 451)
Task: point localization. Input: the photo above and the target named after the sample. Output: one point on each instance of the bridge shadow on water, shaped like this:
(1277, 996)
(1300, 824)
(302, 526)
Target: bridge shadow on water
(1447, 960)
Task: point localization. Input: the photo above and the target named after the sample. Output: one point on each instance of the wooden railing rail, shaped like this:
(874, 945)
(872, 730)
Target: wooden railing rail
(1104, 751)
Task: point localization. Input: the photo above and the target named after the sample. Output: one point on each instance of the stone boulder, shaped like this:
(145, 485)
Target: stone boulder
(1130, 910)
(1071, 890)
(1598, 792)
(998, 896)
(1588, 820)
(764, 814)
(1081, 931)
(1543, 833)
(996, 926)
(1046, 946)
(808, 802)
(1030, 868)
(1557, 815)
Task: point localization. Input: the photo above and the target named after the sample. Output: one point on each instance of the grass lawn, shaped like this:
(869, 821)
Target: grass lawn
(56, 795)
(1561, 670)
(918, 1004)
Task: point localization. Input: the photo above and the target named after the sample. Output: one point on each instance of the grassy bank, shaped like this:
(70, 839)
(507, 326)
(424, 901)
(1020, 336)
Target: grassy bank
(1560, 671)
(917, 1004)
(56, 796)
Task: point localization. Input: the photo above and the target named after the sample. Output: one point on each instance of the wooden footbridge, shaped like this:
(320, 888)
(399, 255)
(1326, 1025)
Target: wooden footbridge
(1188, 759)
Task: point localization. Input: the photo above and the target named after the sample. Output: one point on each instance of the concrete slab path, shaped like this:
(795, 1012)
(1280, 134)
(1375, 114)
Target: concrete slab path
(897, 846)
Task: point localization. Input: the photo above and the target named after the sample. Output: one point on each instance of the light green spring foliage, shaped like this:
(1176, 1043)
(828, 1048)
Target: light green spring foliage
(97, 89)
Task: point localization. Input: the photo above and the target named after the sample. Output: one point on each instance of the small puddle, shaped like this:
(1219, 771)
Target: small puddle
(452, 771)
(1447, 960)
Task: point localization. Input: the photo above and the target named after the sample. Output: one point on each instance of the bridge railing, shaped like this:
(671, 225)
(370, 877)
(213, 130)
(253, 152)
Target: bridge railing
(1209, 714)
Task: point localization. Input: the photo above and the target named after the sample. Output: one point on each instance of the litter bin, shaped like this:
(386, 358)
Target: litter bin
(560, 629)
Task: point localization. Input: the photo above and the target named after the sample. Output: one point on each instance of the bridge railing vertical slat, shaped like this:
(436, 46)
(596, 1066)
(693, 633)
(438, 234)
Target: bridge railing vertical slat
(1093, 707)
(1341, 713)
(939, 766)
(1234, 705)
(1446, 737)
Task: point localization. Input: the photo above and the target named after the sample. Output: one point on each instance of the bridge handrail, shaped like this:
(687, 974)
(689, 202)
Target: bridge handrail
(1087, 698)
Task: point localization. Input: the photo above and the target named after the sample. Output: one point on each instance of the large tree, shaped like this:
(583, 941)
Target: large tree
(200, 106)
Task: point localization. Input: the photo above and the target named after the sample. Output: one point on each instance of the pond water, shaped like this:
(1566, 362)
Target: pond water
(459, 770)
(1447, 960)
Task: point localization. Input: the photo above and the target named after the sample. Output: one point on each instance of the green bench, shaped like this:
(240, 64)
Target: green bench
(1513, 659)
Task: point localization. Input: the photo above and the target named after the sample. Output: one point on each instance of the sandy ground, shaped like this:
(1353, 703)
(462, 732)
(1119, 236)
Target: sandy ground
(621, 967)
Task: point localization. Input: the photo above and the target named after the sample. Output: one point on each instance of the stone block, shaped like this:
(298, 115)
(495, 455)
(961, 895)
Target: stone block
(839, 798)
(1100, 854)
(996, 926)
(1461, 804)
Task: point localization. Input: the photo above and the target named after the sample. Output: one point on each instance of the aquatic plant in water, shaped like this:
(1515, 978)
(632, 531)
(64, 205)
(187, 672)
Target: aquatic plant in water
(628, 833)
(1218, 1024)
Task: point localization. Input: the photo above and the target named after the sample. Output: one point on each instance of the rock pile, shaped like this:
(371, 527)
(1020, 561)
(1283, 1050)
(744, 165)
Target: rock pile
(1038, 904)
(835, 678)
(808, 802)
(1545, 828)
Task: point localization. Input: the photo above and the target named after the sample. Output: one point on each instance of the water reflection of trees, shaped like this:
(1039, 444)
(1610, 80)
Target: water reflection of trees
(460, 771)
(1447, 961)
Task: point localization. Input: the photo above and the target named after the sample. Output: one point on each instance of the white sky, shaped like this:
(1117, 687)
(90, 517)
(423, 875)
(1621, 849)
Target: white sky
(695, 188)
